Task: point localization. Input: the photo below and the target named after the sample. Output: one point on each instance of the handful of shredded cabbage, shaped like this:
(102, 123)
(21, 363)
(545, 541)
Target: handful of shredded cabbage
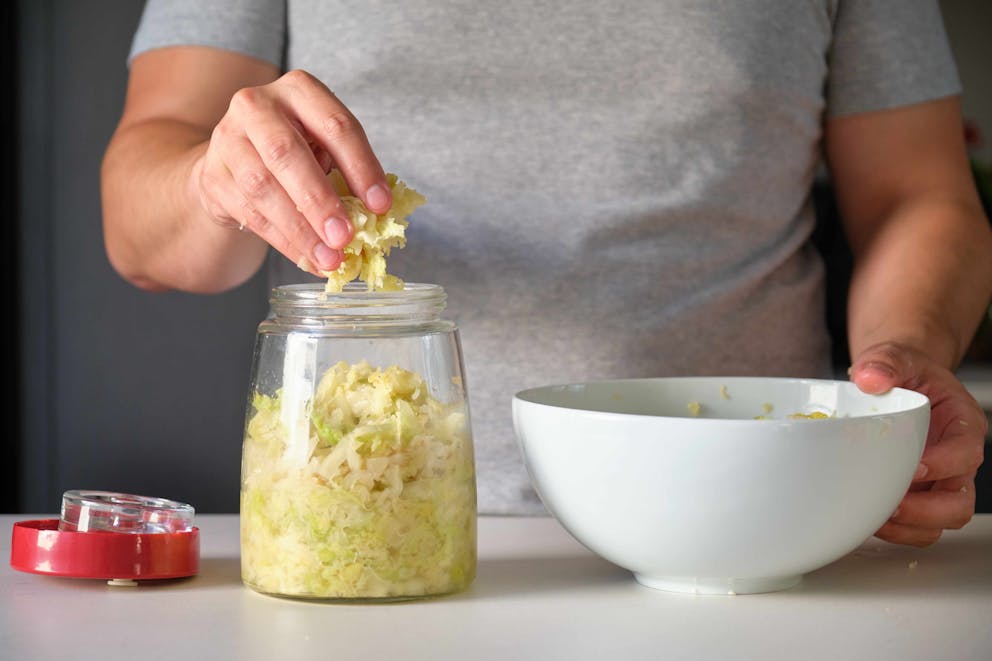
(383, 507)
(375, 236)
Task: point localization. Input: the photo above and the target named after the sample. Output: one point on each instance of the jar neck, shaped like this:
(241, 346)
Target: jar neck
(309, 305)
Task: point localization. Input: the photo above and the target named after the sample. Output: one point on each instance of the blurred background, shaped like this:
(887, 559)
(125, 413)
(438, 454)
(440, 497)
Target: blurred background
(118, 389)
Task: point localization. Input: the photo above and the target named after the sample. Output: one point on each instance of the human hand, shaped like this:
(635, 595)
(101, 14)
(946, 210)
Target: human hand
(265, 167)
(942, 494)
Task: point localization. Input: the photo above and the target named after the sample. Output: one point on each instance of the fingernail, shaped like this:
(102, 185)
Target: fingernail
(338, 232)
(921, 472)
(328, 259)
(377, 197)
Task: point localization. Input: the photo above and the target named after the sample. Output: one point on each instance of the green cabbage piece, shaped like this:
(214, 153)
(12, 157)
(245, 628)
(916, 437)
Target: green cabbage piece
(385, 505)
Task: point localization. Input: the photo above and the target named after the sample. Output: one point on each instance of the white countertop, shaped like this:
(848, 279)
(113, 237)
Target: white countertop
(539, 594)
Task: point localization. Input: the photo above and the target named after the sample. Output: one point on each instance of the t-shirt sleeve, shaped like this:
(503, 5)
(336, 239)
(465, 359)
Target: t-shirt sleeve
(888, 53)
(252, 27)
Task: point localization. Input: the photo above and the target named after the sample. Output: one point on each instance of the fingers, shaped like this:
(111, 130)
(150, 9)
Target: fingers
(324, 159)
(226, 203)
(923, 515)
(333, 127)
(948, 504)
(959, 450)
(910, 535)
(880, 368)
(267, 162)
(290, 161)
(266, 194)
(956, 439)
(942, 495)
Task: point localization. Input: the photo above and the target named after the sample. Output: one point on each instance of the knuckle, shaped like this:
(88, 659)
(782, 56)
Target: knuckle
(279, 150)
(257, 183)
(965, 508)
(220, 132)
(246, 99)
(887, 352)
(960, 520)
(972, 460)
(337, 124)
(315, 201)
(976, 460)
(297, 77)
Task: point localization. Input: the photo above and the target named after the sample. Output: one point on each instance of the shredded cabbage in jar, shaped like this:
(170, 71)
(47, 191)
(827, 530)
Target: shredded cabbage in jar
(384, 506)
(375, 236)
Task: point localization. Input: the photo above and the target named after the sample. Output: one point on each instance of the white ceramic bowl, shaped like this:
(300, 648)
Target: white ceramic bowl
(675, 479)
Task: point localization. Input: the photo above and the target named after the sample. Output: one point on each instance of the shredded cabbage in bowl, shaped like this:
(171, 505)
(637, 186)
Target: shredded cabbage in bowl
(383, 507)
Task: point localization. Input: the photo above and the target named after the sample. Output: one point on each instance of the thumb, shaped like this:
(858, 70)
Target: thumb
(879, 369)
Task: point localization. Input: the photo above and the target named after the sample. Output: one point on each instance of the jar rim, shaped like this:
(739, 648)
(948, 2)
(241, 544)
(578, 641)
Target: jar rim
(354, 294)
(309, 304)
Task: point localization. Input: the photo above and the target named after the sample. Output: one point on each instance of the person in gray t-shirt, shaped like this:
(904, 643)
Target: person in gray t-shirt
(614, 189)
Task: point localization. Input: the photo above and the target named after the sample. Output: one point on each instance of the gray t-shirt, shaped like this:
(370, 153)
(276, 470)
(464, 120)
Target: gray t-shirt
(614, 189)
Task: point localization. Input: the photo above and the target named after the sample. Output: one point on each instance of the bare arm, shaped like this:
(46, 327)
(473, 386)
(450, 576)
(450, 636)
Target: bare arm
(922, 244)
(921, 282)
(212, 141)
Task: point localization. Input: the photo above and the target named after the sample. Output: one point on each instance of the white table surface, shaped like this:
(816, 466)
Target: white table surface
(538, 595)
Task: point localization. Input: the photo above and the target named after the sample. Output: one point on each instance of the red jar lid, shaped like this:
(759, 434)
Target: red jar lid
(39, 547)
(110, 536)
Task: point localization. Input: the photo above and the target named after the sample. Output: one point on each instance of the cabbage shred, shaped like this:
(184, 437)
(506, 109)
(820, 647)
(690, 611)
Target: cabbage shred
(385, 505)
(375, 236)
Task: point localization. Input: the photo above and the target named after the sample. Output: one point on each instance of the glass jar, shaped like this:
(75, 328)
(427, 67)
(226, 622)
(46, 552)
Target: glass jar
(358, 474)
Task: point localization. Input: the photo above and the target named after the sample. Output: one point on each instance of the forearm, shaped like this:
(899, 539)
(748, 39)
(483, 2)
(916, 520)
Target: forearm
(923, 279)
(157, 233)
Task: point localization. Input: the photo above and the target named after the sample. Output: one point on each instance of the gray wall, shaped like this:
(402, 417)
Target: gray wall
(122, 389)
(131, 391)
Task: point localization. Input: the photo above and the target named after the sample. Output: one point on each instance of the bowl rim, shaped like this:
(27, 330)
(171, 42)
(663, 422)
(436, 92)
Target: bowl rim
(528, 395)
